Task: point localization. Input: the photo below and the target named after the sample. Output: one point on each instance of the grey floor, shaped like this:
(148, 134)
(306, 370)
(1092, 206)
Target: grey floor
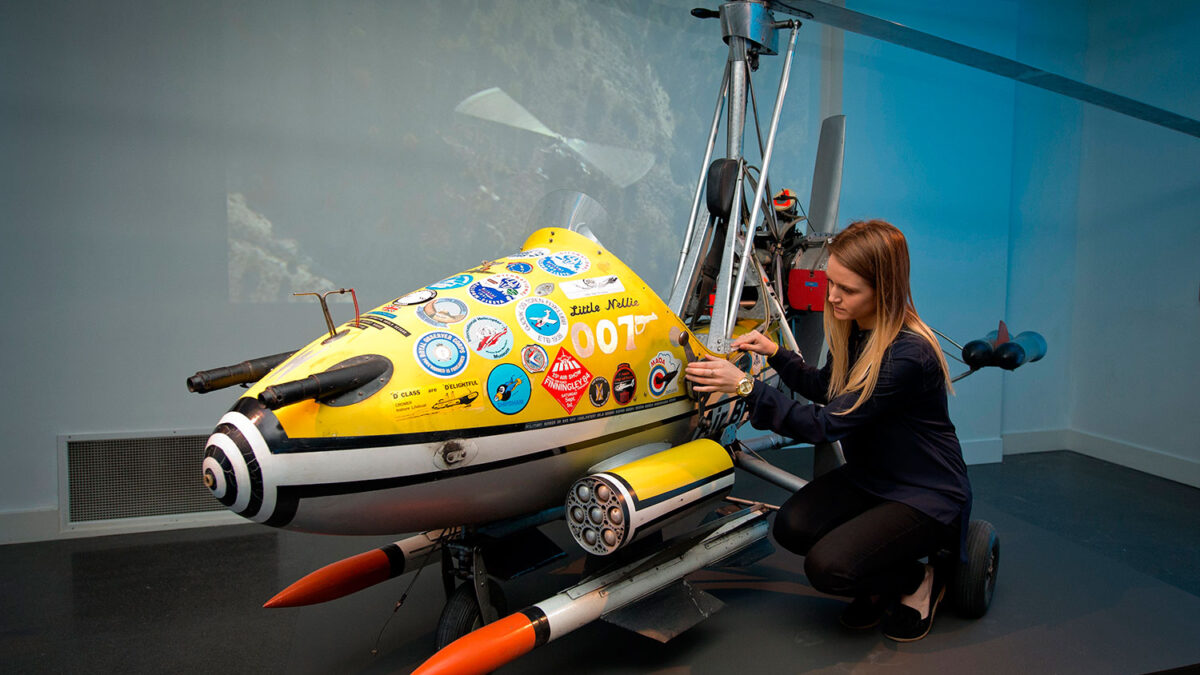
(1100, 573)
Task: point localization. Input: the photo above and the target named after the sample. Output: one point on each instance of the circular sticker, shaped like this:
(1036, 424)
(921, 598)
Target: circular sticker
(564, 263)
(519, 267)
(443, 311)
(598, 392)
(542, 320)
(624, 384)
(441, 354)
(499, 289)
(415, 298)
(508, 388)
(544, 289)
(534, 358)
(488, 337)
(453, 282)
(531, 253)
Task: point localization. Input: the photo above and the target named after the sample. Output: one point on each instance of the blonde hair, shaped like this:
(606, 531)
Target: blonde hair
(876, 251)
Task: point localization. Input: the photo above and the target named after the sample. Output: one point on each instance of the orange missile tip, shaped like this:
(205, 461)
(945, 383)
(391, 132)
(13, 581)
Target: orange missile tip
(335, 580)
(484, 649)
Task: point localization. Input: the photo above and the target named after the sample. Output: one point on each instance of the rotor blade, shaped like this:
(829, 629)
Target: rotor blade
(827, 176)
(496, 106)
(864, 24)
(622, 165)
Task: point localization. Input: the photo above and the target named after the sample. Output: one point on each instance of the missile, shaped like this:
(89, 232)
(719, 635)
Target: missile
(502, 641)
(360, 571)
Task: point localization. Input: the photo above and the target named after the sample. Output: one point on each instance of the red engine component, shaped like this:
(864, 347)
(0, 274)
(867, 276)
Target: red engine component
(806, 289)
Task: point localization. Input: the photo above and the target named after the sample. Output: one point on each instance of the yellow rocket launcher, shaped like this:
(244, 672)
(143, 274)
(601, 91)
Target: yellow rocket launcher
(607, 510)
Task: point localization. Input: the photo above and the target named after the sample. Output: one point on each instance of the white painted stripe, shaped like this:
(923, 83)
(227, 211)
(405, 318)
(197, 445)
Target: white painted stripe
(240, 473)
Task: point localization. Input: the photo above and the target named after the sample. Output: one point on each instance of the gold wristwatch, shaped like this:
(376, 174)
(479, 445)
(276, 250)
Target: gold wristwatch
(745, 386)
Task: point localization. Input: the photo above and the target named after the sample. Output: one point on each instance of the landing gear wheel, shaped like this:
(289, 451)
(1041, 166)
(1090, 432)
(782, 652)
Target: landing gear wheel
(975, 580)
(461, 615)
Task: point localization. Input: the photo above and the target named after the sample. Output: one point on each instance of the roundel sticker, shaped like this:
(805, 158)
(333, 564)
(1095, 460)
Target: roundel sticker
(442, 312)
(453, 282)
(415, 298)
(598, 392)
(499, 289)
(508, 388)
(442, 354)
(664, 373)
(519, 267)
(542, 320)
(534, 358)
(488, 337)
(531, 253)
(564, 263)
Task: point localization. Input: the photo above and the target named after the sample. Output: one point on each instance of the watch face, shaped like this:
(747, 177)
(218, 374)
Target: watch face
(745, 387)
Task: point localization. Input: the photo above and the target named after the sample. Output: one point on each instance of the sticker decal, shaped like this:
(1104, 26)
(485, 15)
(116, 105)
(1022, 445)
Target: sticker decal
(443, 311)
(544, 289)
(457, 281)
(409, 403)
(414, 298)
(508, 388)
(519, 267)
(488, 337)
(441, 354)
(607, 335)
(664, 372)
(624, 384)
(485, 267)
(542, 320)
(585, 288)
(598, 392)
(457, 400)
(531, 253)
(566, 380)
(534, 358)
(499, 289)
(376, 320)
(564, 263)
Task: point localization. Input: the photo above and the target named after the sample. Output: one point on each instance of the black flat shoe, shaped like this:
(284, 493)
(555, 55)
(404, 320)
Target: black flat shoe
(904, 624)
(864, 612)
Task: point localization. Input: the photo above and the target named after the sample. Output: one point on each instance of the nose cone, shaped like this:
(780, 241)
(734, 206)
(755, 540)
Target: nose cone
(231, 470)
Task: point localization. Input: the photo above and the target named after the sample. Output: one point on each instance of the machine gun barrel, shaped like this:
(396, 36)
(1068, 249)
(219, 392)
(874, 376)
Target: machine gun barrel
(327, 384)
(245, 372)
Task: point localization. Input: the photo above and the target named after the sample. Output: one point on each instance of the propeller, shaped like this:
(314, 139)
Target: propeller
(827, 175)
(621, 165)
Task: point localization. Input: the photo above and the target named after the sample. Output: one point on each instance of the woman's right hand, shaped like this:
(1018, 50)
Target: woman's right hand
(756, 342)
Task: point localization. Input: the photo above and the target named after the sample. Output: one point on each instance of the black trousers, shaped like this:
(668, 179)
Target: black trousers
(854, 543)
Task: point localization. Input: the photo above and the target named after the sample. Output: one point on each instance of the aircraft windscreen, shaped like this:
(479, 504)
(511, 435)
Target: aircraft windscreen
(570, 210)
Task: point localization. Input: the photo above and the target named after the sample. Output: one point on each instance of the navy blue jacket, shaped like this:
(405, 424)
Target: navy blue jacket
(899, 444)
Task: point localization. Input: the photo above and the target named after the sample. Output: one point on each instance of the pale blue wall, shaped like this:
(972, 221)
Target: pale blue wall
(1136, 323)
(929, 148)
(1044, 212)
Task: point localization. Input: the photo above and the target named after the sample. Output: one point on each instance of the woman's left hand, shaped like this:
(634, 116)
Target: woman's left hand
(714, 374)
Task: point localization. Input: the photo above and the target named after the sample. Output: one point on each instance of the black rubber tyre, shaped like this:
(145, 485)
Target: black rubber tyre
(974, 583)
(461, 614)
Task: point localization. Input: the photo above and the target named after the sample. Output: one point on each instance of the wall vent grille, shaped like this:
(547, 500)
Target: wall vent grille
(113, 477)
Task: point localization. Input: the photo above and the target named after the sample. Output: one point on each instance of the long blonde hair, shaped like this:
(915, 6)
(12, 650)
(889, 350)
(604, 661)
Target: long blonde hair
(876, 251)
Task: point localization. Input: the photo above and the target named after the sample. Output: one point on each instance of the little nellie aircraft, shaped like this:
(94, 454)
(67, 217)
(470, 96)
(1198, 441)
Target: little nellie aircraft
(547, 384)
